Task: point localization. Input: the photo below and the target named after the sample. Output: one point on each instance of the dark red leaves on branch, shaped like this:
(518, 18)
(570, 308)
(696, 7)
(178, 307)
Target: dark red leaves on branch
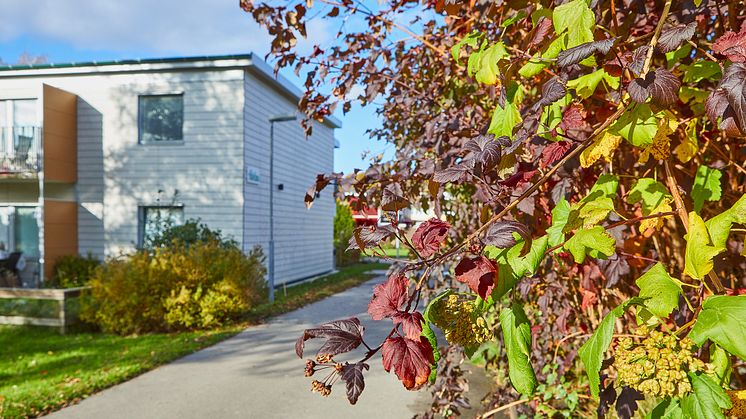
(410, 360)
(672, 38)
(732, 45)
(661, 85)
(581, 52)
(485, 152)
(450, 174)
(322, 180)
(479, 273)
(429, 236)
(341, 336)
(554, 152)
(352, 375)
(388, 298)
(370, 236)
(411, 324)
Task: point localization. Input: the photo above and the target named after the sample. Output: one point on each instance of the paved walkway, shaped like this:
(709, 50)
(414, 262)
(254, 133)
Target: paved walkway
(256, 374)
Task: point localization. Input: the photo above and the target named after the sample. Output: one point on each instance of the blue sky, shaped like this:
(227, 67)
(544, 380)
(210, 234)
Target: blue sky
(100, 30)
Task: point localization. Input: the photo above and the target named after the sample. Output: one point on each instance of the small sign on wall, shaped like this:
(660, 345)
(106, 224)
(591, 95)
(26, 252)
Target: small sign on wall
(252, 175)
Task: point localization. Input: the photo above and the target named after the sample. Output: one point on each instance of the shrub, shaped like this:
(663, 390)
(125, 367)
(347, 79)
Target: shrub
(343, 229)
(178, 287)
(73, 271)
(189, 233)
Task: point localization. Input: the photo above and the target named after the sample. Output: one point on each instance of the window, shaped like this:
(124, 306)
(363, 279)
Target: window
(19, 230)
(155, 220)
(161, 118)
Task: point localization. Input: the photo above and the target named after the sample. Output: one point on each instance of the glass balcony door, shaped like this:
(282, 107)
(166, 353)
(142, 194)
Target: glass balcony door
(18, 119)
(19, 230)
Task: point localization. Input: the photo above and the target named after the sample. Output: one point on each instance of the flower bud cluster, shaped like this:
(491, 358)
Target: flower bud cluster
(657, 365)
(323, 389)
(460, 321)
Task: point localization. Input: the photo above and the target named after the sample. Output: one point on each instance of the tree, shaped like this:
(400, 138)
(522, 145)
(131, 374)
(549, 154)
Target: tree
(581, 160)
(343, 228)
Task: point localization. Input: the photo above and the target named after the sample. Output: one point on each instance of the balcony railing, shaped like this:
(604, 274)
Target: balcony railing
(20, 149)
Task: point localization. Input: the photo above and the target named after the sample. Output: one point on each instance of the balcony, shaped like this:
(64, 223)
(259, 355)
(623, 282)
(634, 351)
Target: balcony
(20, 150)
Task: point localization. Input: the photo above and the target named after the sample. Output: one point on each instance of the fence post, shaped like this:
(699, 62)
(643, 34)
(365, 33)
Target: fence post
(63, 319)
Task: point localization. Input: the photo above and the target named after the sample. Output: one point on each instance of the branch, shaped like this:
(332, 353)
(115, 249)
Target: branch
(656, 34)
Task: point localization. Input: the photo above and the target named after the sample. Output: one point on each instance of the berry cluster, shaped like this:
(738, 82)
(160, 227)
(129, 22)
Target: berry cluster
(322, 362)
(460, 321)
(657, 365)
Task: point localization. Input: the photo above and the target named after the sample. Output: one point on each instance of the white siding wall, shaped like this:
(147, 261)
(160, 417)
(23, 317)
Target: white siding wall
(303, 238)
(116, 174)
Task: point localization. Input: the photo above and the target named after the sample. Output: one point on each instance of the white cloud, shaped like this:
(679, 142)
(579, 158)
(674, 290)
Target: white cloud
(183, 27)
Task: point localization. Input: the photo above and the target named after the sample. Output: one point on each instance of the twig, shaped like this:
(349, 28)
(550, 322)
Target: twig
(504, 407)
(656, 34)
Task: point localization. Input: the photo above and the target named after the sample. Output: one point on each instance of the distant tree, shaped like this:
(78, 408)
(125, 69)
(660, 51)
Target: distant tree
(28, 59)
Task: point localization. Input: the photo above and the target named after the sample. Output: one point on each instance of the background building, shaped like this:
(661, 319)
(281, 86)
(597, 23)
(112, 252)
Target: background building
(92, 153)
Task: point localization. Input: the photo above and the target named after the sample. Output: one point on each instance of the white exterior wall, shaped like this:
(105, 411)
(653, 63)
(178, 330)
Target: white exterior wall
(303, 237)
(116, 174)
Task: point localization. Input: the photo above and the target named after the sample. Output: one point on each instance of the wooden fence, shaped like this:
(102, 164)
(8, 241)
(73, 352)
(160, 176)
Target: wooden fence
(62, 296)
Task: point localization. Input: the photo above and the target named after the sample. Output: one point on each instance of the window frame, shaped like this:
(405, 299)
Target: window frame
(141, 219)
(140, 119)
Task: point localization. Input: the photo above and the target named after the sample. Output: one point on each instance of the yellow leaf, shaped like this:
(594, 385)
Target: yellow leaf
(689, 145)
(604, 146)
(660, 149)
(657, 223)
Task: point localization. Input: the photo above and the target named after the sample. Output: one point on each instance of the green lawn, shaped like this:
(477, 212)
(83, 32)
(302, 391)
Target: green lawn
(390, 251)
(42, 371)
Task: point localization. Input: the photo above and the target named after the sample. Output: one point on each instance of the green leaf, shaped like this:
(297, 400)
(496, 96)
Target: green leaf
(605, 187)
(593, 212)
(667, 409)
(504, 119)
(637, 125)
(719, 225)
(517, 332)
(534, 65)
(586, 85)
(595, 242)
(650, 192)
(675, 57)
(699, 250)
(706, 186)
(484, 68)
(429, 334)
(707, 400)
(722, 321)
(513, 266)
(560, 215)
(721, 365)
(661, 290)
(702, 69)
(577, 19)
(593, 350)
(515, 18)
(471, 40)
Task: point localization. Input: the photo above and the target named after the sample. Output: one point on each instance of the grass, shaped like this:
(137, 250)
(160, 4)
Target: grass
(42, 371)
(390, 251)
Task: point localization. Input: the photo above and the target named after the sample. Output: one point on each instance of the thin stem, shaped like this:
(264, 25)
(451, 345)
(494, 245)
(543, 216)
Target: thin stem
(656, 34)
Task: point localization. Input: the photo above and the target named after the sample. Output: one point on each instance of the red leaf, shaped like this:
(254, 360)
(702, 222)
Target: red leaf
(589, 298)
(429, 235)
(479, 273)
(388, 297)
(732, 45)
(573, 118)
(554, 152)
(411, 324)
(411, 360)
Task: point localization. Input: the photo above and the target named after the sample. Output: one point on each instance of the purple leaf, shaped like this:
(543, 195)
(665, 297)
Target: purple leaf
(579, 53)
(341, 336)
(450, 174)
(734, 84)
(485, 150)
(661, 85)
(410, 360)
(393, 198)
(732, 45)
(429, 235)
(352, 375)
(552, 91)
(638, 59)
(607, 397)
(614, 268)
(411, 324)
(673, 37)
(388, 297)
(626, 403)
(500, 235)
(479, 273)
(370, 236)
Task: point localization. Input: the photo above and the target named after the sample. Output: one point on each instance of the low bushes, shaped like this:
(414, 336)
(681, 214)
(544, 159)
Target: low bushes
(176, 287)
(73, 271)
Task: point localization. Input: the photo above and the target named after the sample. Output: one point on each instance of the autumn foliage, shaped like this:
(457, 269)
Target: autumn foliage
(584, 165)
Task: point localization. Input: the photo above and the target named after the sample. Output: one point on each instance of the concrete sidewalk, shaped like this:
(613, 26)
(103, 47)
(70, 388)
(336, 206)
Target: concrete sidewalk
(256, 374)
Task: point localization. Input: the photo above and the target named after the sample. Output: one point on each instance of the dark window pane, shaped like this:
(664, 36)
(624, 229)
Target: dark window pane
(158, 219)
(161, 118)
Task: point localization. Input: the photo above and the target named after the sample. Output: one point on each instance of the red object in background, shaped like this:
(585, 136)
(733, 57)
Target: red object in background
(365, 217)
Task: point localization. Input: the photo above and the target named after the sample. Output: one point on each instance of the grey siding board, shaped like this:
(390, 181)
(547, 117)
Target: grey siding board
(303, 238)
